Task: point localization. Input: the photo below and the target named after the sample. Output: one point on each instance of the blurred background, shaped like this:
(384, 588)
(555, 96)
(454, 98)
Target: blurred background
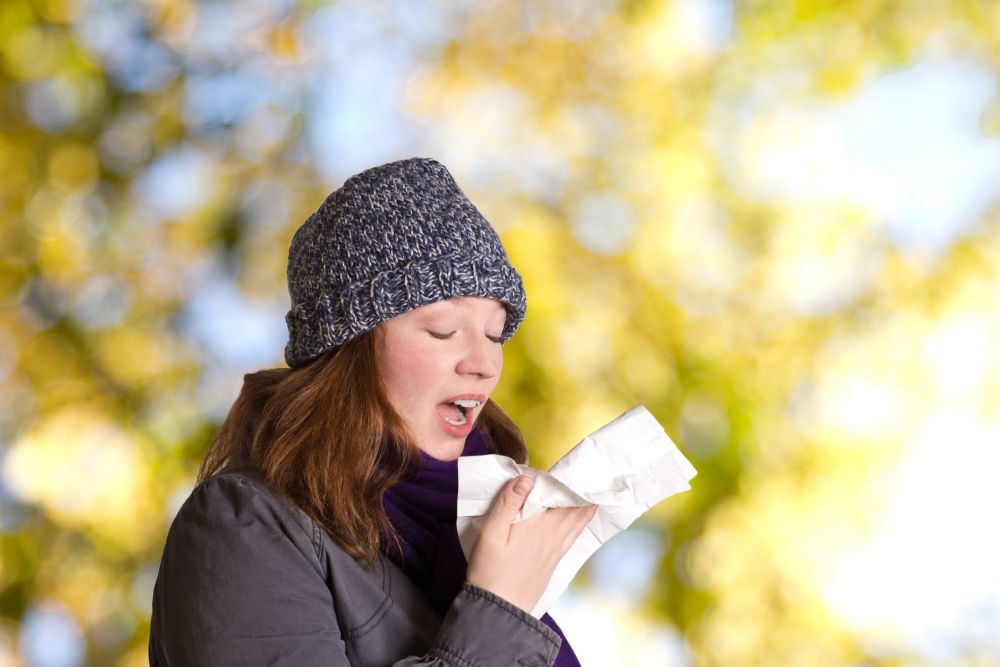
(776, 223)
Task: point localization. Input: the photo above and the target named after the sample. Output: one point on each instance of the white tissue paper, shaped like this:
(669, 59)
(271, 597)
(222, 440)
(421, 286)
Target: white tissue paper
(624, 467)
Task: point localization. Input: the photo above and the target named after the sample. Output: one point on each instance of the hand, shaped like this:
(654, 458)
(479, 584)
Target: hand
(516, 560)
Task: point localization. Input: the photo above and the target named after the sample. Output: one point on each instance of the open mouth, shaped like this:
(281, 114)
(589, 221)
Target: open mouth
(455, 412)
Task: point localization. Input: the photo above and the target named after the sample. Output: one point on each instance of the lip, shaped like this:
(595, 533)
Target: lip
(471, 414)
(458, 431)
(467, 397)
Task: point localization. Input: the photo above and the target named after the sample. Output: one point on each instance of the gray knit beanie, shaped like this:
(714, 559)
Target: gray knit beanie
(392, 238)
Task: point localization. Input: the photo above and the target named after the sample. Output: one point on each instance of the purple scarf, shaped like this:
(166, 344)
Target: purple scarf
(422, 509)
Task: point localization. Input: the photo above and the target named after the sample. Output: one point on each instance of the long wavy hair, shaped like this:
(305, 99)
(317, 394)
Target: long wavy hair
(326, 436)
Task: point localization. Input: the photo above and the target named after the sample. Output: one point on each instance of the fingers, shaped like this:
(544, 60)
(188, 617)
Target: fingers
(582, 517)
(573, 522)
(566, 524)
(516, 561)
(506, 506)
(574, 518)
(563, 525)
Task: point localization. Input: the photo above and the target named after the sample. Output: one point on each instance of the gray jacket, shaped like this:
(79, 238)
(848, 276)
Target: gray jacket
(248, 579)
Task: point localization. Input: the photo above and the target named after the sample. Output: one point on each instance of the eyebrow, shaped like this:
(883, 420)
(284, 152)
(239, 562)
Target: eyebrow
(453, 311)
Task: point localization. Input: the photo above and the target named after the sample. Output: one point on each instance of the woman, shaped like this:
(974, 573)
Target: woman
(322, 528)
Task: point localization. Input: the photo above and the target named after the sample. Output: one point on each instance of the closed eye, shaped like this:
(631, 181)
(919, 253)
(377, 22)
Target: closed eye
(495, 339)
(441, 335)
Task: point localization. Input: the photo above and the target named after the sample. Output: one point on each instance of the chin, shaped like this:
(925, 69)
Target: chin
(446, 450)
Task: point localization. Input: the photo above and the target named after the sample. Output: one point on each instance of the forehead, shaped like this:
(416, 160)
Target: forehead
(476, 305)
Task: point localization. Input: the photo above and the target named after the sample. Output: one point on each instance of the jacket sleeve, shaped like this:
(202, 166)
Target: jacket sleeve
(241, 583)
(481, 628)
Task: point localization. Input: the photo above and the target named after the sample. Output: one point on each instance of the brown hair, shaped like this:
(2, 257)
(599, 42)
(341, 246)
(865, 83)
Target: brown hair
(326, 436)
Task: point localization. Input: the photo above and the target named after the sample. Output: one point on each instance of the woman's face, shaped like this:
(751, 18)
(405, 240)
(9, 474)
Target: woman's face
(439, 364)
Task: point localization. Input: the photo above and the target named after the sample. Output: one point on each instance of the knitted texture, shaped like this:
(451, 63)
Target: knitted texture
(391, 239)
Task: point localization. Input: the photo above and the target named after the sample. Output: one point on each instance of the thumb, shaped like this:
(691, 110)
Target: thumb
(506, 506)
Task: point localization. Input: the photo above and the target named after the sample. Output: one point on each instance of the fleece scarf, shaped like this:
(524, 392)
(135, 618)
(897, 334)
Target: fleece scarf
(422, 509)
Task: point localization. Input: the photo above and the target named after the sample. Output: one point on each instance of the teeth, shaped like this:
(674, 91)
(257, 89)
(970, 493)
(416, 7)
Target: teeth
(456, 422)
(463, 405)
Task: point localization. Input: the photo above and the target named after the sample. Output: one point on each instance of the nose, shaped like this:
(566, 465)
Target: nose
(480, 357)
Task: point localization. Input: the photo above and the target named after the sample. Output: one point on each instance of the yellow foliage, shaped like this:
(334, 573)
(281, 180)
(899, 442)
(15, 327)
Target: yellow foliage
(34, 51)
(138, 357)
(73, 166)
(86, 471)
(791, 344)
(62, 11)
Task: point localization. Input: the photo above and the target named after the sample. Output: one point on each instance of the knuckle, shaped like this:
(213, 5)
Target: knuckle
(510, 504)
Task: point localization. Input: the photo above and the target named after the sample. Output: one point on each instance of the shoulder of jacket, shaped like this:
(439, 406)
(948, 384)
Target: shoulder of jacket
(240, 482)
(241, 493)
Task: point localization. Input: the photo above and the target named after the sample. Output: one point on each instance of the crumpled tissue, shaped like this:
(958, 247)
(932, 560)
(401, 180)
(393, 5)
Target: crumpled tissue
(624, 467)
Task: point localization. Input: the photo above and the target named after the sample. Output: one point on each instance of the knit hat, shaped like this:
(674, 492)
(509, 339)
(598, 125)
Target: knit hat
(391, 239)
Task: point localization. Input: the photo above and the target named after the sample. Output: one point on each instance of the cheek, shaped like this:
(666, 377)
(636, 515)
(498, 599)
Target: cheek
(408, 372)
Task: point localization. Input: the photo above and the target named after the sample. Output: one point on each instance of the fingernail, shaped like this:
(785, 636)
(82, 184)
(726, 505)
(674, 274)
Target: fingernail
(523, 486)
